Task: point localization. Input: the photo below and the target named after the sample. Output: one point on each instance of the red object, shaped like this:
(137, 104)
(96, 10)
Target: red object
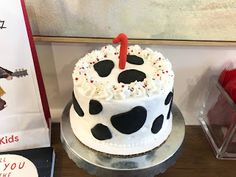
(123, 40)
(37, 67)
(221, 113)
(223, 78)
(227, 79)
(231, 89)
(226, 76)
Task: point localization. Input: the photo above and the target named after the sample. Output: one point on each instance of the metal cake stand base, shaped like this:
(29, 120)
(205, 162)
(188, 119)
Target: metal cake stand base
(144, 165)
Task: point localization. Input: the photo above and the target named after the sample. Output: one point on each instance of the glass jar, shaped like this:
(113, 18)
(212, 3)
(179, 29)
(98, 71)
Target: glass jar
(218, 120)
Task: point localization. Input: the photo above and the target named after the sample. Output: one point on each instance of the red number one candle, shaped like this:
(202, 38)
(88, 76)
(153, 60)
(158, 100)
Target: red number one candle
(122, 38)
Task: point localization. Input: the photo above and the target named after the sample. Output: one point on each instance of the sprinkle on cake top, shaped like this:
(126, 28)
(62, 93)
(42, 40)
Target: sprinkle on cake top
(147, 72)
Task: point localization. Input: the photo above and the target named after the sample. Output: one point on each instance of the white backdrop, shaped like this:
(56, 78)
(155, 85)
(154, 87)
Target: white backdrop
(152, 19)
(191, 65)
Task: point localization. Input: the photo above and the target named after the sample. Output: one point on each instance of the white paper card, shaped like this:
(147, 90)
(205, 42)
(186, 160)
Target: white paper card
(21, 108)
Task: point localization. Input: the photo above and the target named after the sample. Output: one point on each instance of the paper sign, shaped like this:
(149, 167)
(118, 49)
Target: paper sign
(24, 111)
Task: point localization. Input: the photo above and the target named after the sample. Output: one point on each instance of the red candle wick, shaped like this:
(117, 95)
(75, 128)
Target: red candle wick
(123, 40)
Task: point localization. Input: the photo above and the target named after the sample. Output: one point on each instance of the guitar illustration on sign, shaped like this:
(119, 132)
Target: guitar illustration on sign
(20, 73)
(4, 73)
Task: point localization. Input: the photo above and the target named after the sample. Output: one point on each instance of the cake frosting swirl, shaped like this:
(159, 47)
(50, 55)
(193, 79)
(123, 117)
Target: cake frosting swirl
(159, 79)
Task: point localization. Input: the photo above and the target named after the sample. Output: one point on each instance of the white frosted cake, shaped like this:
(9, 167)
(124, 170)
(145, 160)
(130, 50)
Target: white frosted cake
(122, 111)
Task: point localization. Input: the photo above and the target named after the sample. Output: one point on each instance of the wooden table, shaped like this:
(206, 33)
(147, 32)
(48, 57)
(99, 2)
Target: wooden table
(197, 159)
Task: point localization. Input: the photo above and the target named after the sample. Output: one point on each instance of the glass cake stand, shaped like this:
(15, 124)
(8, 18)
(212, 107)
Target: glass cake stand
(148, 164)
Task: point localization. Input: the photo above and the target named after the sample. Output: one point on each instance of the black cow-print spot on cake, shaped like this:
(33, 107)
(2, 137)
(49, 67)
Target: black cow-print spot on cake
(133, 59)
(131, 121)
(76, 106)
(169, 112)
(169, 98)
(104, 67)
(157, 124)
(95, 107)
(101, 132)
(131, 75)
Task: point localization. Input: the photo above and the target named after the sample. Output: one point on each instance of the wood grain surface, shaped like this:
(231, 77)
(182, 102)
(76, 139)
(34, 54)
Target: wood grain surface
(59, 39)
(196, 160)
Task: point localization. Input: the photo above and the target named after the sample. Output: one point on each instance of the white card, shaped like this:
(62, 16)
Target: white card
(23, 104)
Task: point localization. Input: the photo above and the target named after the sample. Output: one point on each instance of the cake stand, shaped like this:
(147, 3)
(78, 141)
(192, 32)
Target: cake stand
(145, 165)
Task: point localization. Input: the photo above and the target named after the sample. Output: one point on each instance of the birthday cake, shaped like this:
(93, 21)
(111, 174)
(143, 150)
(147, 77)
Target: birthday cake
(122, 111)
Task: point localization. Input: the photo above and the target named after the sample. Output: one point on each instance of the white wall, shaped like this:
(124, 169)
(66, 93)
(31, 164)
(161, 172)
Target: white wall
(166, 19)
(191, 65)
